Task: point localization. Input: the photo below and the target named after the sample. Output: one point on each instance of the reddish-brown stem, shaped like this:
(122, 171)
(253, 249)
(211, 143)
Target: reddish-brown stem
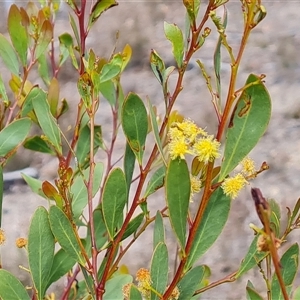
(83, 34)
(71, 280)
(228, 278)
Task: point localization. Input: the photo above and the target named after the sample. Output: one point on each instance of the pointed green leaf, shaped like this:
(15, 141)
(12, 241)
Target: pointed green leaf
(107, 89)
(13, 135)
(133, 226)
(178, 189)
(248, 123)
(53, 96)
(34, 184)
(252, 294)
(289, 263)
(83, 144)
(129, 162)
(217, 56)
(217, 210)
(134, 293)
(79, 189)
(159, 230)
(62, 264)
(9, 56)
(252, 258)
(190, 281)
(18, 33)
(114, 200)
(156, 181)
(37, 144)
(135, 124)
(99, 7)
(45, 37)
(11, 288)
(47, 122)
(35, 93)
(64, 234)
(159, 270)
(43, 68)
(174, 35)
(157, 66)
(40, 250)
(111, 69)
(156, 132)
(275, 216)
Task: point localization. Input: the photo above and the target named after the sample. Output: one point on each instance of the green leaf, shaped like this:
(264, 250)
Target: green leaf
(3, 94)
(251, 293)
(100, 231)
(275, 216)
(107, 89)
(157, 66)
(18, 33)
(135, 124)
(159, 230)
(190, 281)
(178, 189)
(111, 69)
(156, 181)
(45, 37)
(11, 288)
(252, 258)
(62, 264)
(99, 7)
(40, 250)
(79, 189)
(248, 123)
(289, 267)
(13, 135)
(9, 55)
(211, 225)
(174, 35)
(129, 162)
(192, 8)
(43, 68)
(83, 144)
(64, 234)
(217, 57)
(159, 270)
(53, 96)
(37, 144)
(113, 287)
(35, 185)
(133, 226)
(134, 293)
(35, 93)
(114, 200)
(156, 132)
(47, 122)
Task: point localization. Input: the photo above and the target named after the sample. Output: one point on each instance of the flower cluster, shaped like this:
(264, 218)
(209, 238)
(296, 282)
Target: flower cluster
(144, 281)
(187, 138)
(233, 185)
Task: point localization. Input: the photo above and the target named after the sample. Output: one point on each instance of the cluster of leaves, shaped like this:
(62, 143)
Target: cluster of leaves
(243, 117)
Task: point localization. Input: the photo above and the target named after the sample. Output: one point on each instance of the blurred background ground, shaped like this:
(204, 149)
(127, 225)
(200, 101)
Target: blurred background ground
(273, 50)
